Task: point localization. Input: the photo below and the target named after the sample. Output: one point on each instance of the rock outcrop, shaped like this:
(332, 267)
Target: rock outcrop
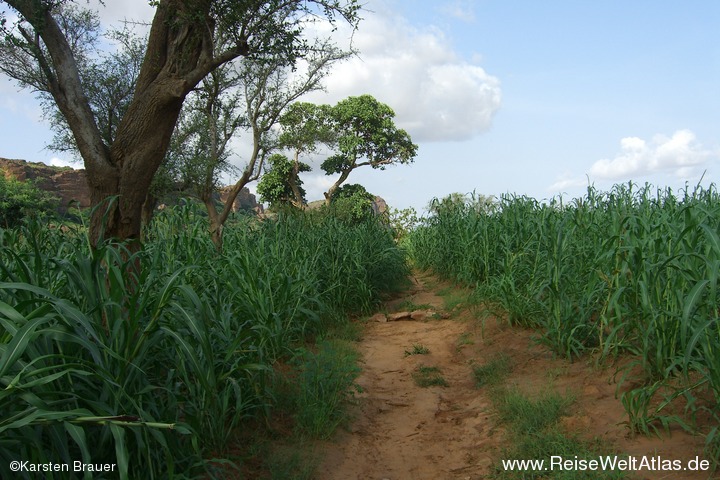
(380, 206)
(68, 184)
(245, 201)
(71, 187)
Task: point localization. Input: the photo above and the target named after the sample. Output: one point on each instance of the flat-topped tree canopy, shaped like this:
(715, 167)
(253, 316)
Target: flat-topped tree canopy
(365, 134)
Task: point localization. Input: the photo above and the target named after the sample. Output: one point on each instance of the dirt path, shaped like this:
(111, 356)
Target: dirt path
(402, 431)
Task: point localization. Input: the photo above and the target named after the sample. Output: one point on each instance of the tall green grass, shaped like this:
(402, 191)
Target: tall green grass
(152, 359)
(632, 270)
(327, 382)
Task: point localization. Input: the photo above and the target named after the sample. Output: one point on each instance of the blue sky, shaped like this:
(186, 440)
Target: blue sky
(524, 97)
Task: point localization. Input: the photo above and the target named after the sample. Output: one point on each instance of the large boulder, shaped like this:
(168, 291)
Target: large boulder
(380, 206)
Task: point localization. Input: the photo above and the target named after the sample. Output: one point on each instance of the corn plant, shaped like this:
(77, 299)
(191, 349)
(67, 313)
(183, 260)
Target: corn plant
(75, 368)
(629, 271)
(152, 359)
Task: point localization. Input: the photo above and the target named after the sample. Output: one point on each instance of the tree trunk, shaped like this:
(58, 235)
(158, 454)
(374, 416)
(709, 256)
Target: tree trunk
(218, 219)
(293, 181)
(173, 60)
(148, 212)
(331, 191)
(179, 54)
(216, 223)
(138, 150)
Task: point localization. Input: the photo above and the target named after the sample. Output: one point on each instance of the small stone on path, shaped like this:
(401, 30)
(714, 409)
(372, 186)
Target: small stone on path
(394, 317)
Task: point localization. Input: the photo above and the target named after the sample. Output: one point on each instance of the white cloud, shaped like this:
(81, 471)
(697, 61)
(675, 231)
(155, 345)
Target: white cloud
(16, 101)
(316, 185)
(679, 155)
(436, 95)
(663, 159)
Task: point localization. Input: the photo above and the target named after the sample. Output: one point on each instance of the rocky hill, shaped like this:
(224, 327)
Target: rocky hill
(64, 182)
(244, 201)
(71, 185)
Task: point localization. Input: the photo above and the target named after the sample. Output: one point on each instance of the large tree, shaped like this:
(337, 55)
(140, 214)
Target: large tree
(108, 78)
(42, 52)
(365, 135)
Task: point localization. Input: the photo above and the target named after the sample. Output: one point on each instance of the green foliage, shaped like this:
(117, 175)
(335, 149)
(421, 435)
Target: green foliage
(359, 130)
(365, 129)
(305, 126)
(456, 200)
(83, 361)
(277, 184)
(402, 221)
(631, 270)
(354, 190)
(19, 200)
(153, 359)
(353, 203)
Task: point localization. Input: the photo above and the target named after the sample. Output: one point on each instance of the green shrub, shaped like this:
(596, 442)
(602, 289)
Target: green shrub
(353, 203)
(19, 200)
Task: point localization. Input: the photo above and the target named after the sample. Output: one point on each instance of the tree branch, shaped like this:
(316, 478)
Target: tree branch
(65, 86)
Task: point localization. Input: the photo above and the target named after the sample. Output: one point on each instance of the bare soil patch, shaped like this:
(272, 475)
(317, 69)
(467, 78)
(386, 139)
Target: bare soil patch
(403, 431)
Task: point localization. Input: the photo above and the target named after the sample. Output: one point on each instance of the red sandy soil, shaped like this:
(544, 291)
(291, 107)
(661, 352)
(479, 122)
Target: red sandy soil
(401, 431)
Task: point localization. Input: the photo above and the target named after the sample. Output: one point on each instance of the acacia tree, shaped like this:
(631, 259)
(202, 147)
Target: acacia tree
(364, 134)
(109, 83)
(42, 53)
(248, 97)
(359, 129)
